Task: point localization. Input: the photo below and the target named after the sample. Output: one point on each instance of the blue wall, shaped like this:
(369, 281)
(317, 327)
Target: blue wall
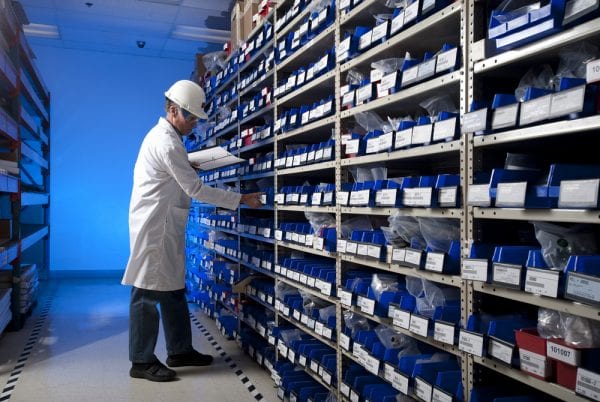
(102, 105)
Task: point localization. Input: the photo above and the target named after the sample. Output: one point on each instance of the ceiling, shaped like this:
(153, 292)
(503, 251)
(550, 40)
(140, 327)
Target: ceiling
(175, 29)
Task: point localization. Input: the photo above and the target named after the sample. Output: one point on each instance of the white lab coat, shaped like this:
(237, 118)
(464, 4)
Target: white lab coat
(163, 182)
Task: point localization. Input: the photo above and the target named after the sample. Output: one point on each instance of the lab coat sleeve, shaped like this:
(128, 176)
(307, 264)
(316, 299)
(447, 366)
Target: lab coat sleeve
(179, 167)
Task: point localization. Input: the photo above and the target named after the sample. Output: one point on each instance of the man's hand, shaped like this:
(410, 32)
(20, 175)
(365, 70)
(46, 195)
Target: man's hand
(252, 200)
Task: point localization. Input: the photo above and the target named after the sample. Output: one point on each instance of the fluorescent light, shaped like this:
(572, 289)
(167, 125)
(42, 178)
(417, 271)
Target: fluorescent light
(42, 30)
(188, 32)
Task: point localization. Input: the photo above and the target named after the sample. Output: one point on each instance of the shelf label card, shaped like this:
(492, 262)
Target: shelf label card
(578, 193)
(475, 121)
(447, 196)
(511, 195)
(588, 384)
(345, 341)
(563, 353)
(441, 396)
(365, 40)
(401, 319)
(542, 282)
(500, 350)
(360, 197)
(422, 134)
(505, 116)
(426, 69)
(363, 249)
(444, 129)
(443, 332)
(403, 138)
(351, 247)
(534, 363)
(535, 110)
(380, 31)
(374, 251)
(398, 255)
(386, 197)
(411, 12)
(342, 197)
(413, 257)
(566, 102)
(474, 269)
(388, 81)
(446, 60)
(583, 287)
(341, 246)
(397, 23)
(507, 274)
(367, 305)
(478, 195)
(434, 261)
(423, 389)
(409, 75)
(418, 197)
(419, 325)
(400, 382)
(470, 343)
(593, 71)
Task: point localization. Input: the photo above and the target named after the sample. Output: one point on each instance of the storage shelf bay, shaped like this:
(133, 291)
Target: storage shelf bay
(258, 238)
(307, 168)
(555, 390)
(554, 215)
(253, 60)
(33, 156)
(306, 54)
(253, 267)
(31, 234)
(227, 130)
(566, 306)
(555, 129)
(306, 289)
(364, 12)
(259, 301)
(438, 29)
(257, 145)
(257, 84)
(305, 249)
(408, 99)
(450, 280)
(315, 89)
(306, 208)
(294, 22)
(453, 349)
(317, 130)
(542, 49)
(257, 114)
(224, 85)
(307, 330)
(417, 212)
(260, 25)
(417, 152)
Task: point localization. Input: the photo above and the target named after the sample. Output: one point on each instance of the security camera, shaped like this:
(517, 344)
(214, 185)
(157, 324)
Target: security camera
(141, 44)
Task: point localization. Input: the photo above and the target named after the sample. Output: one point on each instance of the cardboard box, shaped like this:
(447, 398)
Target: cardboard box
(250, 8)
(237, 23)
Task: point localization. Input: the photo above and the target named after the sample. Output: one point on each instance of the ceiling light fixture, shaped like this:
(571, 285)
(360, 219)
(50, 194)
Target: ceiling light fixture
(42, 31)
(188, 32)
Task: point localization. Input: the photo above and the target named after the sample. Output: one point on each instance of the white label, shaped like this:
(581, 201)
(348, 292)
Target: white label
(305, 117)
(316, 198)
(302, 361)
(388, 81)
(534, 363)
(309, 240)
(345, 341)
(366, 305)
(563, 353)
(419, 325)
(397, 23)
(352, 146)
(410, 75)
(434, 262)
(479, 195)
(314, 366)
(422, 134)
(400, 382)
(360, 197)
(326, 377)
(403, 138)
(440, 396)
(444, 129)
(578, 193)
(365, 40)
(278, 235)
(319, 154)
(385, 141)
(423, 389)
(402, 319)
(311, 282)
(500, 351)
(507, 274)
(443, 333)
(372, 365)
(593, 71)
(511, 195)
(418, 197)
(376, 75)
(386, 197)
(470, 343)
(345, 297)
(327, 332)
(380, 31)
(426, 69)
(413, 257)
(535, 110)
(505, 116)
(447, 196)
(584, 287)
(446, 60)
(411, 12)
(475, 270)
(303, 278)
(351, 247)
(398, 255)
(475, 121)
(327, 198)
(291, 356)
(542, 282)
(341, 246)
(296, 314)
(364, 93)
(343, 48)
(372, 145)
(319, 328)
(588, 384)
(354, 397)
(318, 243)
(374, 251)
(569, 101)
(345, 389)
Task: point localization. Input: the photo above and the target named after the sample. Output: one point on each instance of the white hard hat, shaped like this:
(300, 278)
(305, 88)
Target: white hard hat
(189, 96)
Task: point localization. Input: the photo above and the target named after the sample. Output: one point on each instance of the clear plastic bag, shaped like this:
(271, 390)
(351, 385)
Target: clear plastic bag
(380, 18)
(290, 335)
(356, 223)
(414, 286)
(370, 121)
(549, 324)
(383, 283)
(371, 173)
(388, 66)
(215, 60)
(516, 161)
(407, 228)
(319, 221)
(512, 9)
(395, 4)
(326, 312)
(393, 238)
(439, 232)
(356, 322)
(560, 242)
(577, 331)
(541, 77)
(331, 397)
(388, 337)
(574, 59)
(354, 77)
(282, 289)
(437, 104)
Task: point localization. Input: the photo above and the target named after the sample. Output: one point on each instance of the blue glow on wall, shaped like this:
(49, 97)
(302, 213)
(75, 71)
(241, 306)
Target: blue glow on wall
(102, 105)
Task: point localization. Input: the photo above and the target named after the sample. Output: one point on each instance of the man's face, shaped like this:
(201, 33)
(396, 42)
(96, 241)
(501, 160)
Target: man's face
(184, 121)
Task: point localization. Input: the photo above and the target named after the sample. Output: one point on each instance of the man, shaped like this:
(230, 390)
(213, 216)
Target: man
(163, 183)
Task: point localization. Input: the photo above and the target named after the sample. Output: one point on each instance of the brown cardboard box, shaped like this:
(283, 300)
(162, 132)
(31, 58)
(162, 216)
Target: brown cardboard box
(237, 23)
(250, 8)
(199, 69)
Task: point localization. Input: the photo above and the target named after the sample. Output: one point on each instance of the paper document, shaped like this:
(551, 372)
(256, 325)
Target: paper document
(212, 158)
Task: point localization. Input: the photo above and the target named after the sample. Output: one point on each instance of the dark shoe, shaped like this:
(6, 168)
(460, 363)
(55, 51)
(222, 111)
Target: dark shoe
(154, 372)
(192, 358)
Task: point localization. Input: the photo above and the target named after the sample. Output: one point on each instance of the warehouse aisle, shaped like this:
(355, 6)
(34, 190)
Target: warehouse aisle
(74, 348)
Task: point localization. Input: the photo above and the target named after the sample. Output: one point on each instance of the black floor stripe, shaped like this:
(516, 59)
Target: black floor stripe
(8, 389)
(244, 379)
